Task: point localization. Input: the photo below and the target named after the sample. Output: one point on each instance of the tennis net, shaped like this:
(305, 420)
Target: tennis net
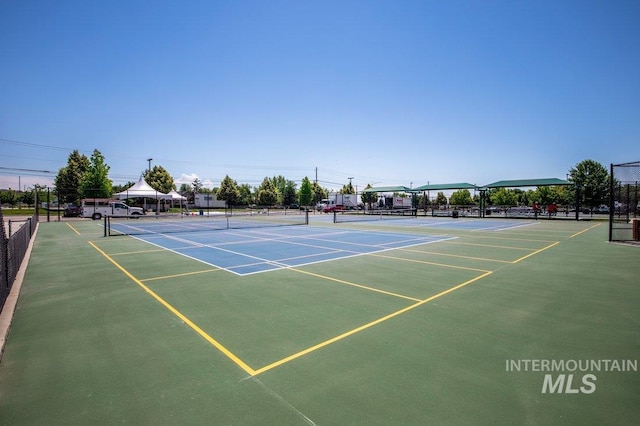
(166, 224)
(357, 216)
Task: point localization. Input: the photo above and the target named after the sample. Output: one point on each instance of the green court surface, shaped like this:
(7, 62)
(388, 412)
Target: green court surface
(116, 330)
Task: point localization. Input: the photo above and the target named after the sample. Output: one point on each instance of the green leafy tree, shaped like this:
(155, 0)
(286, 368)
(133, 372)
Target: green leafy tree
(279, 183)
(306, 192)
(591, 183)
(120, 188)
(369, 197)
(246, 197)
(319, 193)
(289, 193)
(8, 196)
(67, 181)
(28, 197)
(461, 197)
(267, 193)
(347, 189)
(228, 191)
(159, 179)
(441, 200)
(504, 197)
(522, 198)
(95, 183)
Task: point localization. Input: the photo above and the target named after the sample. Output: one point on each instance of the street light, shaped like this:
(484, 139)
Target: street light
(149, 160)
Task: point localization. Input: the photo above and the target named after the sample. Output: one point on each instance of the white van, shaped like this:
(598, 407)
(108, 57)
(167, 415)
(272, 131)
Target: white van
(96, 208)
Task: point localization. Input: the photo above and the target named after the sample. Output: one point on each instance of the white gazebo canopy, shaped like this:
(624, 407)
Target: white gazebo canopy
(174, 196)
(141, 189)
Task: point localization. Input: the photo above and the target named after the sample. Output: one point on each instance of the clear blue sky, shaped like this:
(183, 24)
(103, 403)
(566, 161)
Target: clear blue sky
(387, 92)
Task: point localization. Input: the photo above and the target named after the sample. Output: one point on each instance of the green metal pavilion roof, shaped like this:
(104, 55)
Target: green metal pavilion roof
(388, 189)
(527, 182)
(444, 186)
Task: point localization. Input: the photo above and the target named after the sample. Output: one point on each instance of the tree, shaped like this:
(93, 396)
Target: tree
(228, 191)
(267, 193)
(196, 185)
(441, 200)
(289, 193)
(67, 181)
(369, 197)
(28, 198)
(591, 180)
(279, 183)
(246, 198)
(461, 197)
(319, 193)
(159, 179)
(306, 192)
(121, 188)
(504, 197)
(184, 189)
(95, 183)
(8, 196)
(347, 189)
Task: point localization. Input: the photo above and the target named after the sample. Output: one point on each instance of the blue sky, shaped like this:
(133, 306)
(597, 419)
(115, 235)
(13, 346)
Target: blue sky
(385, 92)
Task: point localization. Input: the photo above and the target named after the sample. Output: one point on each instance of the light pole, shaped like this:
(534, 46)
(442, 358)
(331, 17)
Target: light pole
(149, 160)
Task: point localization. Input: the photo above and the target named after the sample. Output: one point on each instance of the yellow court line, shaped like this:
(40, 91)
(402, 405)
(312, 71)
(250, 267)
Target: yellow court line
(178, 314)
(584, 230)
(487, 245)
(73, 229)
(493, 237)
(366, 326)
(185, 274)
(444, 265)
(484, 259)
(355, 285)
(536, 252)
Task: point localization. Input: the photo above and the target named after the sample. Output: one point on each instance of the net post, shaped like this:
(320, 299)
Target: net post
(306, 216)
(105, 224)
(335, 216)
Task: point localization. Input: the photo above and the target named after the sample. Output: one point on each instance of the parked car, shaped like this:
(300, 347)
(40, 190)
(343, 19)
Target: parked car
(71, 210)
(334, 208)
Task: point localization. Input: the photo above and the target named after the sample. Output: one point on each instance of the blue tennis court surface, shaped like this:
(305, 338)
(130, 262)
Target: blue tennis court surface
(251, 251)
(468, 224)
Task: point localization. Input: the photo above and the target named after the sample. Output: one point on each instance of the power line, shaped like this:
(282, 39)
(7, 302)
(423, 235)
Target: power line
(36, 145)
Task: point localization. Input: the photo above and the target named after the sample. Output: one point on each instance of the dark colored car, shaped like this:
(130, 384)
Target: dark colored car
(71, 211)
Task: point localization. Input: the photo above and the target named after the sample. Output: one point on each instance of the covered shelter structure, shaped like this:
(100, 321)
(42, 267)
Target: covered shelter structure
(142, 189)
(174, 196)
(426, 189)
(522, 183)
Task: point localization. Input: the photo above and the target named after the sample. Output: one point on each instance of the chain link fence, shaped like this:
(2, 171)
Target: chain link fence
(624, 207)
(13, 248)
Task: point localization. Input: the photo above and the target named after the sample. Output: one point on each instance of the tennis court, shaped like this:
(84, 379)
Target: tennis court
(403, 321)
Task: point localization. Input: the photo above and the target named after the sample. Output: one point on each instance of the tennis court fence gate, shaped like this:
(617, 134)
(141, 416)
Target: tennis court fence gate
(624, 206)
(13, 249)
